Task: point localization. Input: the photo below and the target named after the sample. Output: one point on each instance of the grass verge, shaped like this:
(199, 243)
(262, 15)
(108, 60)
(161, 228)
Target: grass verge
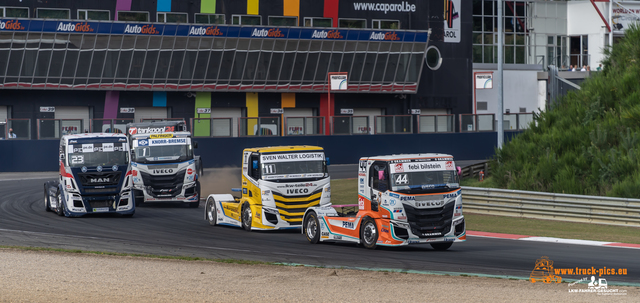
(346, 192)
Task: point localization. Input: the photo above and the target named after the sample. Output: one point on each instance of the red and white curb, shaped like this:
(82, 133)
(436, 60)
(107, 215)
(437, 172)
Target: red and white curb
(550, 239)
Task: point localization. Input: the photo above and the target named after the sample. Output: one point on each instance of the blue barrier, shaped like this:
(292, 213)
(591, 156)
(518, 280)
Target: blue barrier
(42, 155)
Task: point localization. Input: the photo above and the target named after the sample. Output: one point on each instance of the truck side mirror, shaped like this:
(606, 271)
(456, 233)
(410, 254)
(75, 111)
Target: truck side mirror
(195, 144)
(255, 164)
(328, 161)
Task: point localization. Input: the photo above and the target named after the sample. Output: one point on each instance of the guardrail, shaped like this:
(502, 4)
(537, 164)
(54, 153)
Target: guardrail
(550, 206)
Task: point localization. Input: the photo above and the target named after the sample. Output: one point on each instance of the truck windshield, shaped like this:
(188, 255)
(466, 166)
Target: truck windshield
(163, 153)
(293, 170)
(99, 158)
(424, 181)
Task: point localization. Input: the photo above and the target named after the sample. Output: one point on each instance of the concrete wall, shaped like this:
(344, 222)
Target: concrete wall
(42, 155)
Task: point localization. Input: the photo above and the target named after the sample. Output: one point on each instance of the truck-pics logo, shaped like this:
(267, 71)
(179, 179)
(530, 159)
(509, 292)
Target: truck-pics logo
(543, 271)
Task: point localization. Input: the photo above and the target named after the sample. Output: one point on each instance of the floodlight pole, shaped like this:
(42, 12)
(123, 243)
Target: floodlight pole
(500, 72)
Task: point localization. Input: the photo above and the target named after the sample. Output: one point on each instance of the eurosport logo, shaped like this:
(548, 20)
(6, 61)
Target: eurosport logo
(402, 7)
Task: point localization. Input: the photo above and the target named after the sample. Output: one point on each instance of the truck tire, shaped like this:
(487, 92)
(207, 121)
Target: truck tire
(196, 204)
(246, 217)
(59, 205)
(138, 197)
(441, 246)
(369, 233)
(311, 228)
(47, 201)
(211, 212)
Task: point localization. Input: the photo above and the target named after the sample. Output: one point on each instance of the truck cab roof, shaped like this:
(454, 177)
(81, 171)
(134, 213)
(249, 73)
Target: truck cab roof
(408, 157)
(279, 149)
(66, 138)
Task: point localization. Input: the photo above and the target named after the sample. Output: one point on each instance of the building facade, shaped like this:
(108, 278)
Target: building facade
(73, 66)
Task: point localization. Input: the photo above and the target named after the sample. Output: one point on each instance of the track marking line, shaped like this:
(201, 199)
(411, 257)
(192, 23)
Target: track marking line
(482, 234)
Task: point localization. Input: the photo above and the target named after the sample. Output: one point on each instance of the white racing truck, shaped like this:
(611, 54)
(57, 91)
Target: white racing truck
(164, 168)
(95, 177)
(402, 200)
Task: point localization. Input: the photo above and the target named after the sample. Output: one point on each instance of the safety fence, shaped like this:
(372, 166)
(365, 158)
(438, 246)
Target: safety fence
(280, 125)
(550, 206)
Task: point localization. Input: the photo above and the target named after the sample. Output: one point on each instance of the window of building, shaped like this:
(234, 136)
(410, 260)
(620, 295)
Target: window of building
(352, 23)
(385, 24)
(434, 58)
(318, 22)
(52, 13)
(283, 21)
(516, 29)
(89, 14)
(172, 17)
(246, 20)
(14, 12)
(133, 16)
(210, 18)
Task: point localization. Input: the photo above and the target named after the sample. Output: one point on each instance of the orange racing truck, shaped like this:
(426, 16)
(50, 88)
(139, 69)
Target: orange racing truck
(402, 200)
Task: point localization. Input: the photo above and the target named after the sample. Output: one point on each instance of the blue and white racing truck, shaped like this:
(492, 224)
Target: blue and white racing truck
(164, 167)
(95, 176)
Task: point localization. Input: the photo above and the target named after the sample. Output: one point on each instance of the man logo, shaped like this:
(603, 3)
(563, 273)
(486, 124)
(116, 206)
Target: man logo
(99, 180)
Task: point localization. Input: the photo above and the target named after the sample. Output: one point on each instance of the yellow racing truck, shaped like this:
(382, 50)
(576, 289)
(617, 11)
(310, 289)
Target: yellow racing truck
(278, 185)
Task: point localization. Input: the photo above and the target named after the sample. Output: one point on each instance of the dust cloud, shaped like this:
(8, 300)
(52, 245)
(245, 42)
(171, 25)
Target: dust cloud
(220, 181)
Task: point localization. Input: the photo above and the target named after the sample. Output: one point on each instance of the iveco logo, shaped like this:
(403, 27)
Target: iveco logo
(428, 203)
(162, 171)
(297, 191)
(99, 180)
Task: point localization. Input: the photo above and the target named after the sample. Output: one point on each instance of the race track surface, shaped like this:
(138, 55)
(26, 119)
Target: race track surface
(180, 231)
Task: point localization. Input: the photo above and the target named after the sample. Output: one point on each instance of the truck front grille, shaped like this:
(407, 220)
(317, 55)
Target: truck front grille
(99, 178)
(431, 222)
(163, 185)
(292, 208)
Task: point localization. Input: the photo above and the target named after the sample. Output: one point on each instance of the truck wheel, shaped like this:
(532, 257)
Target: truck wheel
(138, 197)
(59, 206)
(212, 215)
(196, 204)
(441, 246)
(47, 203)
(247, 217)
(312, 228)
(369, 233)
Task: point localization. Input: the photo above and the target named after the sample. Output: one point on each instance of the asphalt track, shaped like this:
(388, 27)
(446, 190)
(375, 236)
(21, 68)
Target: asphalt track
(180, 231)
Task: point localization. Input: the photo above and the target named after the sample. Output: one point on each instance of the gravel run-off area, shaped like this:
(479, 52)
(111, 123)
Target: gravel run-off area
(43, 276)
